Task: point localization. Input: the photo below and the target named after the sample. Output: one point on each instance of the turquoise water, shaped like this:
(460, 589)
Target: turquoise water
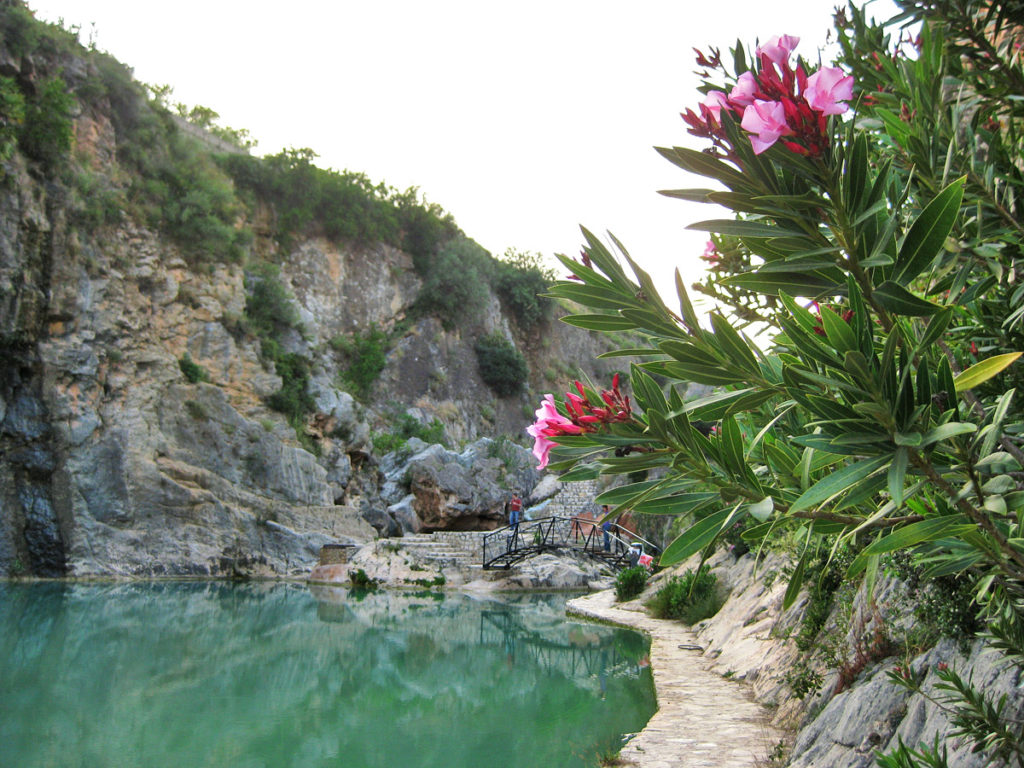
(267, 675)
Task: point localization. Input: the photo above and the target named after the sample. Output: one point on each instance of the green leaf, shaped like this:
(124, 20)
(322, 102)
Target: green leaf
(920, 532)
(948, 430)
(936, 327)
(838, 332)
(795, 582)
(838, 482)
(581, 472)
(626, 494)
(683, 504)
(898, 300)
(647, 391)
(713, 407)
(809, 284)
(696, 537)
(928, 233)
(600, 322)
(983, 371)
(732, 446)
(733, 345)
(693, 195)
(897, 476)
(595, 297)
(703, 164)
(739, 228)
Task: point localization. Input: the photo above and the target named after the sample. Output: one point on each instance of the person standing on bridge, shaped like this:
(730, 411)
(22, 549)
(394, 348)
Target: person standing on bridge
(606, 527)
(515, 515)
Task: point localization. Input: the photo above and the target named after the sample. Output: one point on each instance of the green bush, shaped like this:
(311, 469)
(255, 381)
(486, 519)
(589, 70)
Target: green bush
(46, 131)
(194, 372)
(502, 367)
(360, 580)
(341, 205)
(270, 314)
(269, 307)
(630, 582)
(519, 280)
(367, 356)
(690, 597)
(12, 116)
(197, 410)
(19, 29)
(455, 283)
(404, 427)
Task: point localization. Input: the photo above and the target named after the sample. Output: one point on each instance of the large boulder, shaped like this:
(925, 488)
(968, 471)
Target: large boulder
(464, 491)
(565, 570)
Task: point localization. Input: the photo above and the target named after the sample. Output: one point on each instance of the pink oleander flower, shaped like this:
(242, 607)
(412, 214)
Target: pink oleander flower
(713, 104)
(743, 92)
(828, 89)
(711, 253)
(583, 416)
(767, 119)
(778, 48)
(550, 423)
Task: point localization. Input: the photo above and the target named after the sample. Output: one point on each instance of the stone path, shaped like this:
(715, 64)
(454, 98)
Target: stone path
(702, 718)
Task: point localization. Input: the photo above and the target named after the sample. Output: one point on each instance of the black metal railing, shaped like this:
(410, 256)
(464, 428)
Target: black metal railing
(506, 546)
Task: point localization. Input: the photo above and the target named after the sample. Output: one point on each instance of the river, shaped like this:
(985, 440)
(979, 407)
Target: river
(264, 675)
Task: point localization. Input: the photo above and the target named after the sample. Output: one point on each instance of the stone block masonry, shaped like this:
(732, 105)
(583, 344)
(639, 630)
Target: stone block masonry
(574, 499)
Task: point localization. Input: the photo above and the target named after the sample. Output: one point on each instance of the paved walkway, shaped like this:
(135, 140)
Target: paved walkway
(702, 718)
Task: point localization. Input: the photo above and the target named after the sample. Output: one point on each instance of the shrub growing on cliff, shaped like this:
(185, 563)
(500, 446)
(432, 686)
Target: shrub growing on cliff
(194, 372)
(403, 427)
(520, 279)
(45, 134)
(367, 356)
(455, 283)
(502, 367)
(12, 115)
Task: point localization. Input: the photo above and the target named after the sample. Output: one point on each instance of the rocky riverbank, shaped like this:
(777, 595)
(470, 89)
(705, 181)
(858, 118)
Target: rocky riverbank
(703, 719)
(727, 686)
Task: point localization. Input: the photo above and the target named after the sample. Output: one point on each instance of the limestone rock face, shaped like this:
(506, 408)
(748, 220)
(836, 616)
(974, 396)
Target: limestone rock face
(112, 463)
(445, 490)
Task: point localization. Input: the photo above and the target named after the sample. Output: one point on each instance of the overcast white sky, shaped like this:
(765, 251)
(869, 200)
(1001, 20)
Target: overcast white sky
(524, 120)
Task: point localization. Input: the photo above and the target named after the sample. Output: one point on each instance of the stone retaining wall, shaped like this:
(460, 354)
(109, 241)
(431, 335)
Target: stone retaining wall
(575, 499)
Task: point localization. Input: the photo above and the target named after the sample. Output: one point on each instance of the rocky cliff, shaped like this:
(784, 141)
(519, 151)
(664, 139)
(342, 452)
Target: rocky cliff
(138, 428)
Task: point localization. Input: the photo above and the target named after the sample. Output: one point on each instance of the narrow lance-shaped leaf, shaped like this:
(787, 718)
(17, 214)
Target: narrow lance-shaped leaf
(696, 537)
(837, 482)
(912, 535)
(928, 233)
(897, 299)
(984, 370)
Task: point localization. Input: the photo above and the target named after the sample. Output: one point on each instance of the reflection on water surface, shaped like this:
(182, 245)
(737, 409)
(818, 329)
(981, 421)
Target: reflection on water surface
(267, 675)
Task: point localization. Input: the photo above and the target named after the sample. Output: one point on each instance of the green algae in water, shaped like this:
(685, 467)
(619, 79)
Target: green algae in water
(267, 675)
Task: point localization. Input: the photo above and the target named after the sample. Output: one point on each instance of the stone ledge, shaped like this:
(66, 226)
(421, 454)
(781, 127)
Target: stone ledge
(702, 718)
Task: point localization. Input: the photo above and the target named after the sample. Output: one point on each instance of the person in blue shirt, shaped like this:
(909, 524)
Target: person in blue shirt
(606, 528)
